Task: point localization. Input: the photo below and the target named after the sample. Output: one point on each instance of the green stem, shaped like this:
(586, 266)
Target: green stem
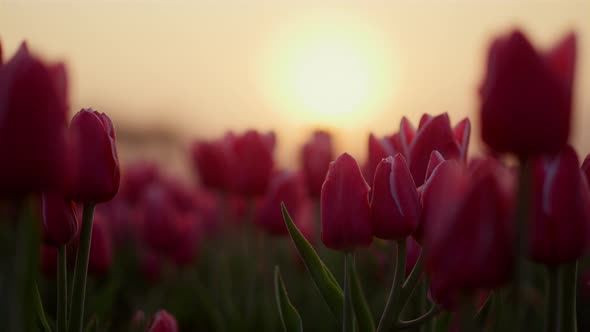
(521, 264)
(62, 290)
(569, 286)
(347, 317)
(553, 304)
(426, 317)
(79, 287)
(392, 307)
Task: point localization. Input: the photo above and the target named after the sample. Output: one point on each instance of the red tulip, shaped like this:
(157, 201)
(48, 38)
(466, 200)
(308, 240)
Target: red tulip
(60, 219)
(469, 241)
(187, 235)
(345, 211)
(560, 225)
(213, 162)
(316, 156)
(33, 111)
(379, 149)
(136, 177)
(436, 133)
(586, 168)
(162, 321)
(254, 162)
(158, 219)
(526, 96)
(101, 247)
(395, 207)
(97, 177)
(287, 187)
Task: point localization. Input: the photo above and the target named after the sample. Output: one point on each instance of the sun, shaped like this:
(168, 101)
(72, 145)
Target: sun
(329, 72)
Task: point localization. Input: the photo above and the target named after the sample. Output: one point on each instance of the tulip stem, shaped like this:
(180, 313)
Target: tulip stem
(62, 289)
(569, 273)
(347, 317)
(394, 302)
(521, 264)
(553, 304)
(79, 287)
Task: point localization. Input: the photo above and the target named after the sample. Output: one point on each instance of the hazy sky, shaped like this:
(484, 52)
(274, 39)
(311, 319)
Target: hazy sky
(200, 67)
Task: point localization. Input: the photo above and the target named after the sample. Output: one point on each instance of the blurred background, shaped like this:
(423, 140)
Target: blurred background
(171, 71)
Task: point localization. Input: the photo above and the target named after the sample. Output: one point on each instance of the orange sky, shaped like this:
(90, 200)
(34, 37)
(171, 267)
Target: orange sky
(201, 67)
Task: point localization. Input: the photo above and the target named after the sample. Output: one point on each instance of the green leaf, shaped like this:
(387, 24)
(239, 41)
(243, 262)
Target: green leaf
(322, 277)
(359, 302)
(289, 315)
(40, 310)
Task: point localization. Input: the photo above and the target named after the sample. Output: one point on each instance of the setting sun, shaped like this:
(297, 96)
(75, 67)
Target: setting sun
(333, 71)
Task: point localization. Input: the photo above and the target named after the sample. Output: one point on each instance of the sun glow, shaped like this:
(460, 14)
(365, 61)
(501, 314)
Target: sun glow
(334, 72)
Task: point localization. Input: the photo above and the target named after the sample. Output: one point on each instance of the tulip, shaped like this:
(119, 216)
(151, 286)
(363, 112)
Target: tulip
(586, 168)
(345, 211)
(97, 175)
(136, 177)
(316, 156)
(469, 241)
(187, 235)
(526, 96)
(60, 219)
(213, 162)
(287, 187)
(254, 162)
(158, 219)
(560, 224)
(378, 150)
(436, 133)
(395, 207)
(101, 248)
(33, 111)
(162, 321)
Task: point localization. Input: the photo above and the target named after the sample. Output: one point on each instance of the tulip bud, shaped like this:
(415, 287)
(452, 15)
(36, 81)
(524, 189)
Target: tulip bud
(526, 96)
(378, 150)
(560, 225)
(97, 172)
(33, 110)
(284, 187)
(187, 235)
(60, 219)
(395, 207)
(162, 321)
(158, 219)
(435, 133)
(101, 248)
(345, 211)
(253, 162)
(316, 156)
(213, 162)
(586, 168)
(136, 177)
(407, 132)
(471, 245)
